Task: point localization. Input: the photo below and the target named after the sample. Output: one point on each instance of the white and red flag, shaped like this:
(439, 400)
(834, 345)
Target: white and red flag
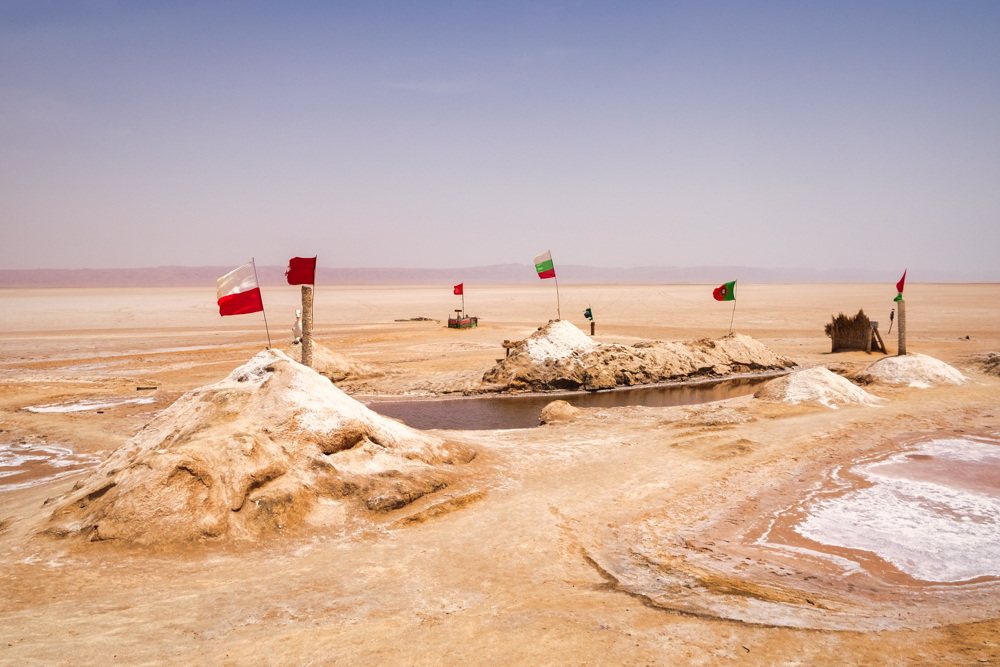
(239, 293)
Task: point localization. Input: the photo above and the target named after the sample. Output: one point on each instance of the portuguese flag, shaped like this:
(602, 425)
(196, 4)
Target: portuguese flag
(544, 266)
(899, 287)
(725, 292)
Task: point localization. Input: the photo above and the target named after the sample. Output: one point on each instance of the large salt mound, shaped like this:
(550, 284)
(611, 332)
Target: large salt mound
(272, 446)
(915, 370)
(560, 356)
(332, 364)
(815, 385)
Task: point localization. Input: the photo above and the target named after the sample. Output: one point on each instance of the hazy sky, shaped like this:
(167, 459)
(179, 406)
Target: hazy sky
(434, 134)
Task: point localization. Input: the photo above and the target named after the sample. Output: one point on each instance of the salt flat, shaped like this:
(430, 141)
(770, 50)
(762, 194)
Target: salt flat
(624, 536)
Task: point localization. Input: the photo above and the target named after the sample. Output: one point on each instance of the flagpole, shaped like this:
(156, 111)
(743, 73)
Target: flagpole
(558, 306)
(266, 330)
(463, 299)
(731, 319)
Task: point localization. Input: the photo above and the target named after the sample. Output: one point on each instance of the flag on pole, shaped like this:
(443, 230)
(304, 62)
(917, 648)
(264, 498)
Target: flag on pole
(459, 288)
(239, 293)
(899, 287)
(589, 315)
(301, 271)
(544, 266)
(725, 292)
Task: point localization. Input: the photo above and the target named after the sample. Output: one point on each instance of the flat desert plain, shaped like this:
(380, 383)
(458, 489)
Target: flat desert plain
(705, 534)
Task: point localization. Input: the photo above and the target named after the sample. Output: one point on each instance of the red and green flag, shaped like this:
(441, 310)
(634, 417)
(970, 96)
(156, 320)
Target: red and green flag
(725, 292)
(899, 287)
(544, 265)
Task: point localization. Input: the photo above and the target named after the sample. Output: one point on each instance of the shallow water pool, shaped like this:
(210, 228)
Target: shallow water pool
(506, 412)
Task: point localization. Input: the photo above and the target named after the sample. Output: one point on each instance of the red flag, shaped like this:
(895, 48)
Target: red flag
(301, 271)
(899, 285)
(458, 288)
(238, 292)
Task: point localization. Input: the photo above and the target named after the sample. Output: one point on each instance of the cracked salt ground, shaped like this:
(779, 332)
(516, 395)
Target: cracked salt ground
(932, 512)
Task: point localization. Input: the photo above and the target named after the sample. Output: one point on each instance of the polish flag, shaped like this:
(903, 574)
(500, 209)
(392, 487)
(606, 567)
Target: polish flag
(239, 293)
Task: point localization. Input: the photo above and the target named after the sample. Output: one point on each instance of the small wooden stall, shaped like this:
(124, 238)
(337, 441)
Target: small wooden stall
(855, 333)
(462, 321)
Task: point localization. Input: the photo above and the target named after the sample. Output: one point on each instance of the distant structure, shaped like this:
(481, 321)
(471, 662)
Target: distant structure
(462, 321)
(854, 333)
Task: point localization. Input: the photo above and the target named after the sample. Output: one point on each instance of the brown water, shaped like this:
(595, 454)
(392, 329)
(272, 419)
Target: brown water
(506, 412)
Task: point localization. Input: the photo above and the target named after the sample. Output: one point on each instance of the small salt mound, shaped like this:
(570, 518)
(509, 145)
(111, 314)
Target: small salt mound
(332, 364)
(915, 370)
(815, 385)
(558, 340)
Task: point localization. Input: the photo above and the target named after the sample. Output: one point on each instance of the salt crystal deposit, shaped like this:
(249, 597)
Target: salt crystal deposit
(559, 340)
(261, 451)
(815, 385)
(915, 370)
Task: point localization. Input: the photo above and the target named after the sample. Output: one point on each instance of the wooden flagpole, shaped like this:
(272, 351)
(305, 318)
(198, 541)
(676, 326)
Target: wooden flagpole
(266, 330)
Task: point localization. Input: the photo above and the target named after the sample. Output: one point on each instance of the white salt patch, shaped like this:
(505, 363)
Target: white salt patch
(92, 404)
(37, 456)
(930, 530)
(558, 340)
(915, 370)
(816, 385)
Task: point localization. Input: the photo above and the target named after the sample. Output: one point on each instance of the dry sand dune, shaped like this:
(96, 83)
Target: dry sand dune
(708, 534)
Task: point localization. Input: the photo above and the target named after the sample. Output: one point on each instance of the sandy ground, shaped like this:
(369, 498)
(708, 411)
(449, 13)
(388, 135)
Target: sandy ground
(536, 557)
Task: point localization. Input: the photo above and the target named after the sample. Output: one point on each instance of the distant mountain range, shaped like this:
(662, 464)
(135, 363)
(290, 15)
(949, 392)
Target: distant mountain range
(498, 274)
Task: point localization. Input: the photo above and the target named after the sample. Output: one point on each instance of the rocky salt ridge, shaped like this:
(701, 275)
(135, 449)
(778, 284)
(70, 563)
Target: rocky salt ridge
(560, 356)
(272, 447)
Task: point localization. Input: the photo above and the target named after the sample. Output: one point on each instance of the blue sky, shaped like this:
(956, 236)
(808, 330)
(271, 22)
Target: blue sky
(798, 134)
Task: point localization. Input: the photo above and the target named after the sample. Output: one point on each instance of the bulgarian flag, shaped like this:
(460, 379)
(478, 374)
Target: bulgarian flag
(899, 287)
(239, 293)
(544, 266)
(725, 292)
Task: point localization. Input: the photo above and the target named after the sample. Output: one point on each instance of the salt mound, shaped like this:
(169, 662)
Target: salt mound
(332, 364)
(560, 356)
(271, 447)
(557, 340)
(915, 370)
(815, 385)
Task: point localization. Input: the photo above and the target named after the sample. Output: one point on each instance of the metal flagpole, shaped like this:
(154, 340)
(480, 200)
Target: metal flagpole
(731, 319)
(558, 306)
(254, 264)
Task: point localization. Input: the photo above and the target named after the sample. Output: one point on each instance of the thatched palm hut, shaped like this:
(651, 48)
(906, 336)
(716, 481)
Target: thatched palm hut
(852, 333)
